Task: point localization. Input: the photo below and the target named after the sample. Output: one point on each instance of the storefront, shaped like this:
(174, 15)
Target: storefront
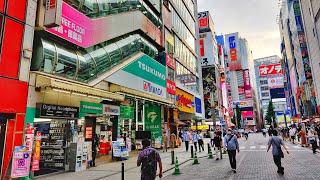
(57, 125)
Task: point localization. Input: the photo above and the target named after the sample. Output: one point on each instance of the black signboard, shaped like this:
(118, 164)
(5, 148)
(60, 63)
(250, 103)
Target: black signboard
(56, 111)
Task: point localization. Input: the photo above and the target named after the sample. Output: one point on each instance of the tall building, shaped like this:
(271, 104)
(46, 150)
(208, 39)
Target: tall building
(270, 85)
(239, 86)
(296, 61)
(17, 26)
(112, 68)
(309, 11)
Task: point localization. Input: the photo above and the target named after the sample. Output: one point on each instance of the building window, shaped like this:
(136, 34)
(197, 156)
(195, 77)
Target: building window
(265, 94)
(262, 82)
(264, 88)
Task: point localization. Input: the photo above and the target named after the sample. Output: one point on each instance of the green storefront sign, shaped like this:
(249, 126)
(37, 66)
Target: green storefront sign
(149, 69)
(90, 108)
(153, 121)
(127, 112)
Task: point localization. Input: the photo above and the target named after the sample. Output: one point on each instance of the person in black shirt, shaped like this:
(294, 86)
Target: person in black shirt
(217, 143)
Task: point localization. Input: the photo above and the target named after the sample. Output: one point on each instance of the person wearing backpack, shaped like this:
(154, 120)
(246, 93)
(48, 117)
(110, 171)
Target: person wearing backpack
(148, 159)
(276, 142)
(232, 145)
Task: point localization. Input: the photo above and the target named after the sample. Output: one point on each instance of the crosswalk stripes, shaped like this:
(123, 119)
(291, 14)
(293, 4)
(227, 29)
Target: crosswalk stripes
(264, 147)
(252, 147)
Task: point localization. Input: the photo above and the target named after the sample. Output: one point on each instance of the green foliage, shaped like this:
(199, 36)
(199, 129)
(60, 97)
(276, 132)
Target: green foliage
(270, 116)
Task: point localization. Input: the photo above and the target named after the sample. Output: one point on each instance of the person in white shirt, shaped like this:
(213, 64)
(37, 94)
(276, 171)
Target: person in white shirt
(292, 133)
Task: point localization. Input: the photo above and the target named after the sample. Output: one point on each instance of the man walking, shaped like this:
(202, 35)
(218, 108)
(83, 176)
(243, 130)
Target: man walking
(231, 143)
(148, 159)
(292, 133)
(195, 139)
(186, 136)
(217, 144)
(277, 153)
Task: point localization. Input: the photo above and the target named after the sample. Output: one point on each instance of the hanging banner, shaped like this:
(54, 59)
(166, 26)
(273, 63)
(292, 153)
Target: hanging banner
(20, 162)
(35, 166)
(271, 69)
(153, 122)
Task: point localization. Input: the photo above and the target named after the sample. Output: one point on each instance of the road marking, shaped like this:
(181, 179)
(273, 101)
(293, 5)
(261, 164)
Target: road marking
(252, 147)
(297, 147)
(263, 147)
(242, 147)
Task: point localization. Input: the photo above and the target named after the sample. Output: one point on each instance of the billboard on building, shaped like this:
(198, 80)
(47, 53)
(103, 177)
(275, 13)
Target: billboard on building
(270, 69)
(277, 93)
(275, 82)
(206, 48)
(232, 41)
(185, 101)
(203, 18)
(247, 85)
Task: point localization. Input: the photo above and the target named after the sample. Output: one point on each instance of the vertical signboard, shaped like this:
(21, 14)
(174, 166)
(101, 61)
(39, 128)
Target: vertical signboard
(247, 85)
(203, 18)
(207, 49)
(232, 44)
(20, 162)
(52, 16)
(153, 121)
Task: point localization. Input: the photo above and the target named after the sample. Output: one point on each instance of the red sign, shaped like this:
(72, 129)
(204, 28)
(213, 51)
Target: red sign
(203, 23)
(36, 154)
(201, 42)
(271, 69)
(171, 87)
(233, 54)
(241, 89)
(247, 85)
(170, 62)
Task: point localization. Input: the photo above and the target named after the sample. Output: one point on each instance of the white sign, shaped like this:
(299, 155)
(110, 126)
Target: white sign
(275, 82)
(208, 49)
(52, 16)
(243, 104)
(111, 110)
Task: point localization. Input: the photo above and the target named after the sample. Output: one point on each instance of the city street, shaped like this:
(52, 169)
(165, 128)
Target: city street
(254, 163)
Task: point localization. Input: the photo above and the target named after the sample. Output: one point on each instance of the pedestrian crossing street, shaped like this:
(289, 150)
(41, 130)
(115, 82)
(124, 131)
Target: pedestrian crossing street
(264, 147)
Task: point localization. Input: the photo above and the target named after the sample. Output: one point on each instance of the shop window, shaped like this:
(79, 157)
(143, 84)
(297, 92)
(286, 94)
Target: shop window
(11, 48)
(49, 57)
(67, 63)
(17, 9)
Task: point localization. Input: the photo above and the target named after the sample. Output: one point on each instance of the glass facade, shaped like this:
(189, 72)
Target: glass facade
(185, 14)
(185, 56)
(88, 64)
(190, 5)
(181, 29)
(100, 8)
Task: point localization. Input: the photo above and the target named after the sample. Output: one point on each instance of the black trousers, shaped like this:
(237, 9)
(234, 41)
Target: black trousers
(201, 146)
(187, 145)
(195, 146)
(232, 158)
(94, 154)
(314, 146)
(277, 161)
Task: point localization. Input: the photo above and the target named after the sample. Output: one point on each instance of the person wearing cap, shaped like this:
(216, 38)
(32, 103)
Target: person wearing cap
(148, 159)
(232, 145)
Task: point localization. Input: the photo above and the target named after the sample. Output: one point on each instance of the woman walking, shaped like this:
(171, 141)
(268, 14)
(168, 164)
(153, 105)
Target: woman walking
(312, 136)
(277, 152)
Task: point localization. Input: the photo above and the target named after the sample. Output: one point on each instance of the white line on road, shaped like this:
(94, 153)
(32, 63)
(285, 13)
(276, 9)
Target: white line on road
(252, 147)
(263, 147)
(242, 147)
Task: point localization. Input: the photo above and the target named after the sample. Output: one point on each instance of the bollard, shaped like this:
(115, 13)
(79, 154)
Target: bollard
(195, 159)
(220, 152)
(210, 156)
(172, 157)
(122, 171)
(208, 147)
(191, 151)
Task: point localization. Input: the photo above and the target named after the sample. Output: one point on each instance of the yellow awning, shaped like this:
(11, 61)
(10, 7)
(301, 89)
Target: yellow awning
(46, 82)
(128, 91)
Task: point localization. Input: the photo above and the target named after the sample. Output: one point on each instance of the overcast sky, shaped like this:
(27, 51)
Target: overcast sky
(255, 20)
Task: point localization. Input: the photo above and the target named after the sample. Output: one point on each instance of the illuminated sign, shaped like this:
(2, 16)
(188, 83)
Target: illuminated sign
(171, 87)
(184, 101)
(149, 87)
(271, 69)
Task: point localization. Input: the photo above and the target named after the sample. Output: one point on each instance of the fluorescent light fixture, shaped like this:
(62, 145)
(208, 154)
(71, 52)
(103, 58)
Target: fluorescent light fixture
(38, 120)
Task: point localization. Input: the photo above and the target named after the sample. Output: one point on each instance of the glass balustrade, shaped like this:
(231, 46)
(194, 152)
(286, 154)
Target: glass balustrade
(100, 8)
(86, 65)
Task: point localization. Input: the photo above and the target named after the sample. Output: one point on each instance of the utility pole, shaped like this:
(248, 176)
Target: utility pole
(285, 118)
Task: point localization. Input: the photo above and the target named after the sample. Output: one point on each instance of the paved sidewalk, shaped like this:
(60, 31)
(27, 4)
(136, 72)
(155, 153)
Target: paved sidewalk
(132, 172)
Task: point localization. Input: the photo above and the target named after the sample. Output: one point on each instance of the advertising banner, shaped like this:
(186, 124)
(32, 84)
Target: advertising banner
(271, 69)
(35, 166)
(277, 93)
(153, 121)
(85, 32)
(56, 111)
(247, 85)
(203, 18)
(207, 44)
(90, 108)
(247, 114)
(171, 87)
(184, 101)
(170, 62)
(20, 162)
(244, 103)
(275, 82)
(198, 105)
(111, 109)
(232, 48)
(52, 16)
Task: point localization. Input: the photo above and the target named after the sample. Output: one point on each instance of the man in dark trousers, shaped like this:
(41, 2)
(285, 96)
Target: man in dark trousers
(232, 145)
(148, 159)
(217, 143)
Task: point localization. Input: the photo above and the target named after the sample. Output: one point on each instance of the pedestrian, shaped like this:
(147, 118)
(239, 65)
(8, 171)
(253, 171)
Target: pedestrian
(212, 134)
(292, 133)
(277, 152)
(172, 140)
(217, 144)
(270, 131)
(95, 149)
(303, 138)
(165, 141)
(186, 138)
(231, 144)
(148, 159)
(200, 141)
(312, 136)
(195, 139)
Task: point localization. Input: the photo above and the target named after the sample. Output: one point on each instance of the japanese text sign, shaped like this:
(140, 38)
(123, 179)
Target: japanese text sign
(271, 69)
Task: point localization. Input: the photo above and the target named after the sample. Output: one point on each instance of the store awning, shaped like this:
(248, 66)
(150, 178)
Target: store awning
(50, 83)
(136, 93)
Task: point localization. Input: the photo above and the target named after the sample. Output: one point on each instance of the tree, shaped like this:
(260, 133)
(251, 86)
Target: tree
(238, 112)
(270, 116)
(233, 119)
